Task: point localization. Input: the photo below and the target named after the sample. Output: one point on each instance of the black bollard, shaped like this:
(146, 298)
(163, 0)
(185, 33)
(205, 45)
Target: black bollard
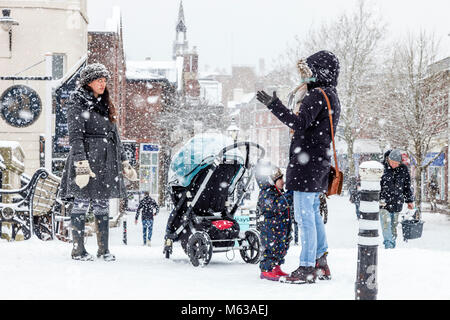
(366, 287)
(124, 231)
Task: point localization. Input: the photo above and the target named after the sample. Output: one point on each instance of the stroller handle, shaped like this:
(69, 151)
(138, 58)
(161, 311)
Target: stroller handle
(247, 145)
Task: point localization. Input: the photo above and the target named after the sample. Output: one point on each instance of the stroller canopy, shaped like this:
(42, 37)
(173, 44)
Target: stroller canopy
(198, 153)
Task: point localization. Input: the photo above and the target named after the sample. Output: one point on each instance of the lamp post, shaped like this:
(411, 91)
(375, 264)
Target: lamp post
(366, 287)
(6, 23)
(233, 130)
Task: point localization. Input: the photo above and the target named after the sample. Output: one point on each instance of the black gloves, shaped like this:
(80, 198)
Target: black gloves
(266, 99)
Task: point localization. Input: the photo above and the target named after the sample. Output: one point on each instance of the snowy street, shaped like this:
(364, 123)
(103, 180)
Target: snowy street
(33, 269)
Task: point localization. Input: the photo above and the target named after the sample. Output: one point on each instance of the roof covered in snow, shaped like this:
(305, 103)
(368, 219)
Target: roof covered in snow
(148, 70)
(366, 146)
(360, 146)
(245, 99)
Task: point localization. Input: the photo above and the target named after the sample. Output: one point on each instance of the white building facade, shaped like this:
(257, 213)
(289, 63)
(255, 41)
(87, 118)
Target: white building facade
(52, 28)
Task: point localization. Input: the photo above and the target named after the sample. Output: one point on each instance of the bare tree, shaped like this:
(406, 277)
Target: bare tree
(410, 117)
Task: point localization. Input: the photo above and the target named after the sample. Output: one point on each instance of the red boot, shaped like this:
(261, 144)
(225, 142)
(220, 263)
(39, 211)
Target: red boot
(277, 270)
(270, 275)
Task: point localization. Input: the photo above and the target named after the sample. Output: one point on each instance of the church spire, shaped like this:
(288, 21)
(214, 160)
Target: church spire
(180, 45)
(181, 25)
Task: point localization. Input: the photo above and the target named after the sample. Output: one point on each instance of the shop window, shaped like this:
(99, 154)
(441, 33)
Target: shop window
(149, 166)
(58, 63)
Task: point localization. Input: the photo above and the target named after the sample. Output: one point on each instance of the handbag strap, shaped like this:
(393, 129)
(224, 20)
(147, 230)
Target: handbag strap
(332, 129)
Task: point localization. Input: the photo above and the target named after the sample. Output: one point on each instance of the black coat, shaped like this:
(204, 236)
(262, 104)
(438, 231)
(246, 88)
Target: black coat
(310, 151)
(148, 207)
(353, 189)
(395, 186)
(94, 138)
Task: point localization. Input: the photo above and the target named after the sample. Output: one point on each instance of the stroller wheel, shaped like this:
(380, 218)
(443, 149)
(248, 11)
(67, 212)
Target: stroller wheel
(251, 253)
(199, 249)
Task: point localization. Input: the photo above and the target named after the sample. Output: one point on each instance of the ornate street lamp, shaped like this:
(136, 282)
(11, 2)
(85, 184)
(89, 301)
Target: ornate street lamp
(233, 130)
(6, 23)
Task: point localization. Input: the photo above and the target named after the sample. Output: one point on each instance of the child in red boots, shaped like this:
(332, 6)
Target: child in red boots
(275, 205)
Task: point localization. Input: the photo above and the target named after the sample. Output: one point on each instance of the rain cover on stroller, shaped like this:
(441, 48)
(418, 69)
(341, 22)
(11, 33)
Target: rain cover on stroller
(198, 153)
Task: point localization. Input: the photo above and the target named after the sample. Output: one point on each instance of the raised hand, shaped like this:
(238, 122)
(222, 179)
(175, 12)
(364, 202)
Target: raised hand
(264, 98)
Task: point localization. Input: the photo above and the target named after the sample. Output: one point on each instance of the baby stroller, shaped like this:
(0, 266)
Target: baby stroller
(204, 179)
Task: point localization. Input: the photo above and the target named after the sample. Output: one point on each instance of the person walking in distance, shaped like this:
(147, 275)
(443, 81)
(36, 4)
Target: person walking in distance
(354, 189)
(97, 164)
(309, 158)
(148, 208)
(433, 192)
(395, 190)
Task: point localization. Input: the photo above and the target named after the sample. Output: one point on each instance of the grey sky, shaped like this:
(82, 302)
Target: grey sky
(240, 32)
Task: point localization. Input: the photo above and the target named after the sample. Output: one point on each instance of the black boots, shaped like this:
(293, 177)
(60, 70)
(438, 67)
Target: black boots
(102, 227)
(300, 276)
(78, 251)
(309, 274)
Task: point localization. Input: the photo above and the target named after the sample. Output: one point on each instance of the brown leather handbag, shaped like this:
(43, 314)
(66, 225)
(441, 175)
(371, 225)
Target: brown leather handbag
(336, 177)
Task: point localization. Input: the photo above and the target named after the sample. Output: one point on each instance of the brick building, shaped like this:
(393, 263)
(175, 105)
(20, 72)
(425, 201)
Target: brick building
(147, 101)
(107, 48)
(259, 125)
(439, 99)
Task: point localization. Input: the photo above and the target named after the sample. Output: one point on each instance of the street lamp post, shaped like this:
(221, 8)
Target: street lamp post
(366, 287)
(48, 112)
(6, 23)
(233, 130)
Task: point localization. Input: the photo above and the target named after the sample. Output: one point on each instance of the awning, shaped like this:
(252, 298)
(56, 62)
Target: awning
(439, 162)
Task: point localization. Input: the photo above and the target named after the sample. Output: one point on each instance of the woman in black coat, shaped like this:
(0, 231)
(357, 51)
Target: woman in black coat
(310, 157)
(96, 164)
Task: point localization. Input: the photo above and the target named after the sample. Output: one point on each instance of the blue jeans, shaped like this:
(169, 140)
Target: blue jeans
(312, 229)
(147, 229)
(389, 223)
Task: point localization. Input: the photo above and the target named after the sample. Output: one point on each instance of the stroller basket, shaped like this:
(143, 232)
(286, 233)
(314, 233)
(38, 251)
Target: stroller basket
(412, 229)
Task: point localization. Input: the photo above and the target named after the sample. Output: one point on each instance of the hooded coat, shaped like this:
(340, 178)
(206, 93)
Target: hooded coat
(310, 150)
(395, 186)
(93, 137)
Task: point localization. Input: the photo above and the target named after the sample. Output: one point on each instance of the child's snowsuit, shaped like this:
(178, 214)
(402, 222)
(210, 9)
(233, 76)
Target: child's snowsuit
(275, 206)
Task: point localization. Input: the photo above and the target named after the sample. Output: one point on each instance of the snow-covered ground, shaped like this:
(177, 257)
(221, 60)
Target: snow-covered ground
(33, 269)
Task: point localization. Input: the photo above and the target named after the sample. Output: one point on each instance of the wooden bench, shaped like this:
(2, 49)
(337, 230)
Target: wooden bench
(34, 208)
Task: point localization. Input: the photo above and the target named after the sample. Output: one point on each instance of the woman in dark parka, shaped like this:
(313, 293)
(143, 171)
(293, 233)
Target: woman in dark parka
(310, 159)
(96, 164)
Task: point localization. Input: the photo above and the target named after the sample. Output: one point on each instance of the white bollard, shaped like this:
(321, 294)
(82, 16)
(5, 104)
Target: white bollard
(366, 287)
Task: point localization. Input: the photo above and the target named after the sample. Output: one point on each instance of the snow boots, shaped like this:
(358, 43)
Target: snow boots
(310, 274)
(278, 271)
(300, 276)
(274, 274)
(322, 269)
(102, 227)
(270, 275)
(78, 251)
